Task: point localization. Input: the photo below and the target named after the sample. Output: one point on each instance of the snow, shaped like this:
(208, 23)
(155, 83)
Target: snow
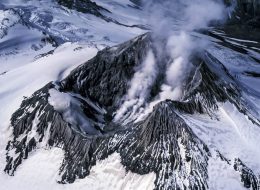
(24, 80)
(26, 65)
(40, 170)
(222, 175)
(241, 40)
(19, 49)
(107, 174)
(123, 11)
(231, 133)
(80, 36)
(7, 19)
(29, 78)
(116, 177)
(238, 65)
(70, 25)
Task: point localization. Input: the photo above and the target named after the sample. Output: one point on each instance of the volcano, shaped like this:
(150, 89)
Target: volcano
(105, 103)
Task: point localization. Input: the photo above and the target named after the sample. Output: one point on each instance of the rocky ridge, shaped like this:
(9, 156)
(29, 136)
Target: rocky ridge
(162, 143)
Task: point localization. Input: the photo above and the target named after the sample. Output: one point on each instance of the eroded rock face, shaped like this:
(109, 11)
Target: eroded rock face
(249, 7)
(246, 12)
(105, 78)
(162, 143)
(90, 7)
(248, 178)
(85, 6)
(96, 85)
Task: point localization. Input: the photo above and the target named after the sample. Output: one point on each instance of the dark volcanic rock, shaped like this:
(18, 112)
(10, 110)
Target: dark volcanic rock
(52, 130)
(90, 7)
(84, 6)
(248, 178)
(99, 80)
(246, 12)
(104, 79)
(162, 143)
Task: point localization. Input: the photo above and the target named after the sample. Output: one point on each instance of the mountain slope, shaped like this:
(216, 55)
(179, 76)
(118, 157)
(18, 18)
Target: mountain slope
(84, 106)
(163, 143)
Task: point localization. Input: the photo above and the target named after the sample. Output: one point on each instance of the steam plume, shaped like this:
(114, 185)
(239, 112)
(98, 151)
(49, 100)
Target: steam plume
(173, 21)
(139, 88)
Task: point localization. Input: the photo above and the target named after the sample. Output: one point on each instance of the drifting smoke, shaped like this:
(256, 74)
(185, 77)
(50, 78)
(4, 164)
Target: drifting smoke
(139, 88)
(173, 21)
(180, 19)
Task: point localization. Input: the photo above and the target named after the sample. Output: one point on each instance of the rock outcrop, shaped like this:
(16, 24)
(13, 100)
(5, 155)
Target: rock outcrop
(163, 142)
(246, 12)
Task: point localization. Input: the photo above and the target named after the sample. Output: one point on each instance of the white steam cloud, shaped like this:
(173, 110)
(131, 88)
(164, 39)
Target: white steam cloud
(139, 88)
(175, 22)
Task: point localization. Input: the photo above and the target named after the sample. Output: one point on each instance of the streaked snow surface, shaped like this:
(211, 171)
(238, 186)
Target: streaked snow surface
(40, 172)
(73, 26)
(231, 133)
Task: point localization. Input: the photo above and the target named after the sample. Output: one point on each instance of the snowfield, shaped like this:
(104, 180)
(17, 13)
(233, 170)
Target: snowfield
(23, 81)
(40, 172)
